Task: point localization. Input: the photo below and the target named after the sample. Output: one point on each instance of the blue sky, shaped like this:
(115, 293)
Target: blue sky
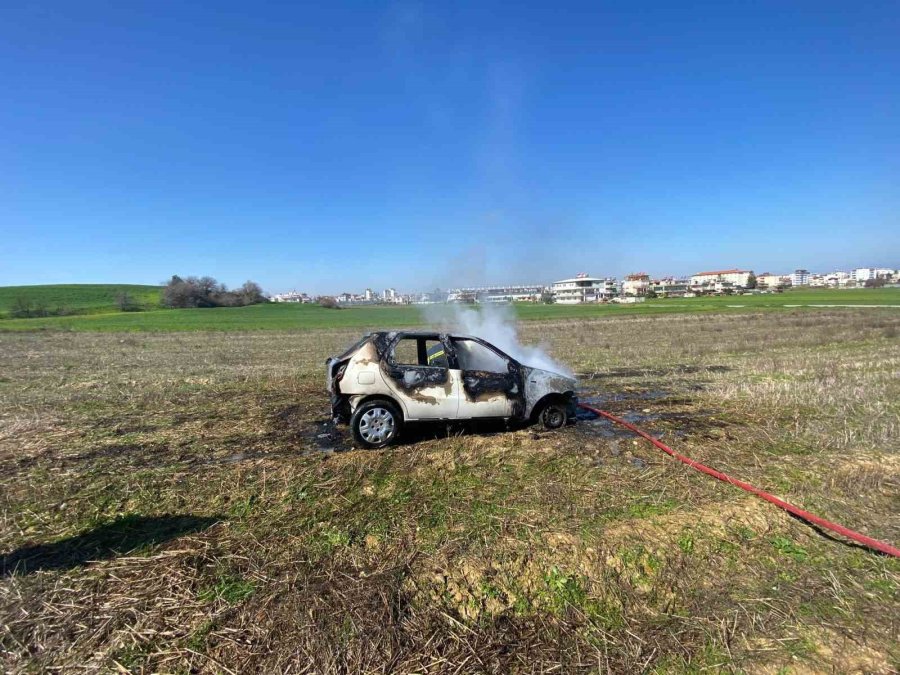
(333, 146)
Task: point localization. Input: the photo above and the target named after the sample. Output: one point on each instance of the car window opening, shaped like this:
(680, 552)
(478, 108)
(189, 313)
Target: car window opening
(474, 356)
(420, 351)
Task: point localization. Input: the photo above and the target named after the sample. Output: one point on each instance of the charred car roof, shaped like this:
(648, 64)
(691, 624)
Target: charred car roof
(383, 337)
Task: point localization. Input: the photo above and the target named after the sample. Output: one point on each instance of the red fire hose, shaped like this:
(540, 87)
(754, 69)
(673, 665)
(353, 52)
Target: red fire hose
(790, 508)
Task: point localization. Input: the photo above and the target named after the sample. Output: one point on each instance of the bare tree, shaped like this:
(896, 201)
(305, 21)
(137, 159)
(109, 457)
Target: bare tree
(251, 293)
(126, 303)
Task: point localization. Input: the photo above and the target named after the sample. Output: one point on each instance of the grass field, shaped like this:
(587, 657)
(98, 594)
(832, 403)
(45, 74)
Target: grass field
(175, 502)
(79, 298)
(301, 317)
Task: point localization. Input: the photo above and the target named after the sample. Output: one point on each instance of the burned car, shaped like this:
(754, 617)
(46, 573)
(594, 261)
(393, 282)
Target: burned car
(390, 378)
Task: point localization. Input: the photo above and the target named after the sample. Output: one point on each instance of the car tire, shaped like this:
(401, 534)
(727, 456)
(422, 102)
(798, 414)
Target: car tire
(554, 415)
(376, 423)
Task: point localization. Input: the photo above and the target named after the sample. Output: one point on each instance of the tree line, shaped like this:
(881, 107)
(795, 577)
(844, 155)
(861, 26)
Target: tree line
(207, 292)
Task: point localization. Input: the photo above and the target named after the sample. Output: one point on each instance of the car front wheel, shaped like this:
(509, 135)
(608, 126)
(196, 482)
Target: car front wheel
(376, 424)
(554, 415)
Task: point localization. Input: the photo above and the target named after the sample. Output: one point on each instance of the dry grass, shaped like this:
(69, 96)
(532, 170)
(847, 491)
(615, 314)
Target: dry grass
(184, 519)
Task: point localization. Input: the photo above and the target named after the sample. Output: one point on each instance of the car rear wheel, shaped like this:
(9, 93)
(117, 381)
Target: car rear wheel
(554, 415)
(376, 424)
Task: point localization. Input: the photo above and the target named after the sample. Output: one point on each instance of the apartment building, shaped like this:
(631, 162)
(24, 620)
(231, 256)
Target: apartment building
(670, 287)
(769, 281)
(709, 280)
(800, 278)
(583, 288)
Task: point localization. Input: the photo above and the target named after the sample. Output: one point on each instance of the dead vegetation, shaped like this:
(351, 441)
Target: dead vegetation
(174, 503)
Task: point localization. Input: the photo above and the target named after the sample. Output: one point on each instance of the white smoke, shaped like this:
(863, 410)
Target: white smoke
(495, 324)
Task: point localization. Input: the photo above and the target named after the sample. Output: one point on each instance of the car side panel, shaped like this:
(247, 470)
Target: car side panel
(490, 403)
(437, 402)
(363, 377)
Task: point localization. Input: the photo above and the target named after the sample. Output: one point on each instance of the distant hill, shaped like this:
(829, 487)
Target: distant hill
(78, 298)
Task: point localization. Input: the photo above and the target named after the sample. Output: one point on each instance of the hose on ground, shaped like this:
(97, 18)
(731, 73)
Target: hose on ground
(868, 542)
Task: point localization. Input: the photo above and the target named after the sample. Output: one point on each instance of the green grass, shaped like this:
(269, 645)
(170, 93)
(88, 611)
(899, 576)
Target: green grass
(302, 317)
(228, 588)
(78, 298)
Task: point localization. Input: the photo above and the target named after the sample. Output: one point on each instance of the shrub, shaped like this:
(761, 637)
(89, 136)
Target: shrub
(23, 308)
(126, 303)
(328, 302)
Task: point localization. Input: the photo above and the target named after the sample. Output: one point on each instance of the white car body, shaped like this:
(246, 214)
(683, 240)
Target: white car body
(447, 377)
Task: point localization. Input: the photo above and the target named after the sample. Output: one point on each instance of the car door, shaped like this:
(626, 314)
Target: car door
(489, 384)
(423, 386)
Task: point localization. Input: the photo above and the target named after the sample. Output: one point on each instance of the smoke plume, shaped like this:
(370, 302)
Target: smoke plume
(495, 324)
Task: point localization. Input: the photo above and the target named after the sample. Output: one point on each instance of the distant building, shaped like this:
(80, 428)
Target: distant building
(435, 296)
(369, 295)
(709, 281)
(862, 274)
(636, 284)
(583, 288)
(800, 278)
(670, 287)
(836, 279)
(499, 293)
(291, 296)
(463, 296)
(770, 281)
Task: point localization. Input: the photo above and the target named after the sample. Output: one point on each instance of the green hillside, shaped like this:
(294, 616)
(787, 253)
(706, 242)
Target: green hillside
(77, 298)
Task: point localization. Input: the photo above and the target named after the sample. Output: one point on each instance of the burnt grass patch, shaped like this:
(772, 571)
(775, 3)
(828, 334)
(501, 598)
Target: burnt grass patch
(460, 550)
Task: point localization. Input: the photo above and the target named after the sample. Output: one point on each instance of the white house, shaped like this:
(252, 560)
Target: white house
(837, 278)
(736, 277)
(636, 284)
(583, 288)
(291, 296)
